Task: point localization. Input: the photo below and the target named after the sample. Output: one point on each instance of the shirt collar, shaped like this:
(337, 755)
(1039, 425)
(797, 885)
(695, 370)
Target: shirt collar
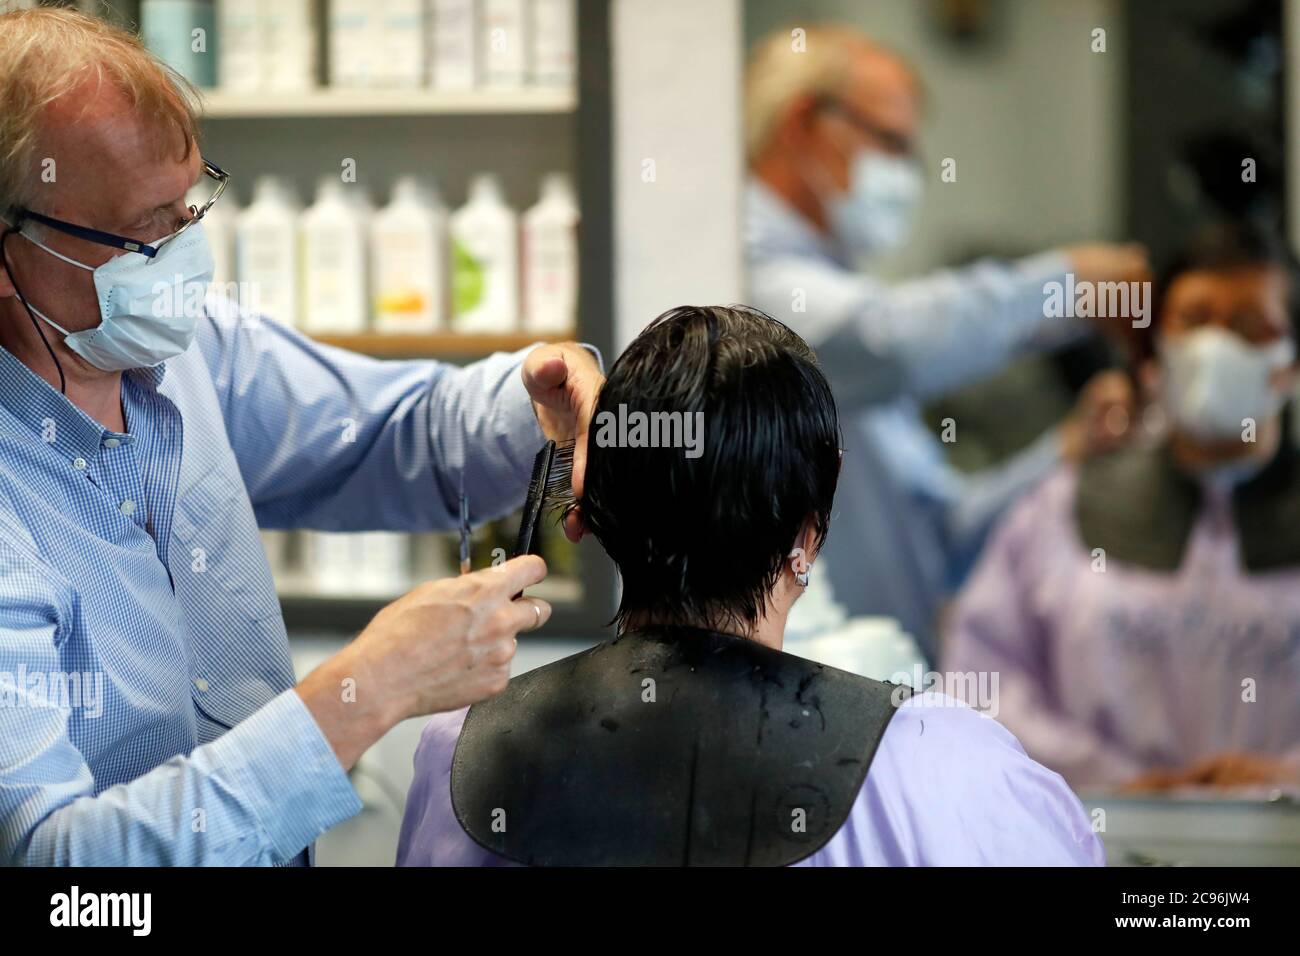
(774, 228)
(52, 418)
(150, 378)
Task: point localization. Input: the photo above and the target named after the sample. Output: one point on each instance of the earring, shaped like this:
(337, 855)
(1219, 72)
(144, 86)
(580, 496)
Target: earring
(800, 567)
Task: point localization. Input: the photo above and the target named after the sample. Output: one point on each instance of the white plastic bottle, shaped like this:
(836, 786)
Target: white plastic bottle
(219, 227)
(241, 46)
(554, 43)
(371, 563)
(333, 236)
(266, 251)
(385, 567)
(504, 42)
(485, 261)
(408, 261)
(354, 40)
(452, 44)
(402, 35)
(550, 251)
(276, 546)
(289, 32)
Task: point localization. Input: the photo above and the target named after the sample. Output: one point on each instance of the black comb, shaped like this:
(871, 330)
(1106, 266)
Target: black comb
(549, 489)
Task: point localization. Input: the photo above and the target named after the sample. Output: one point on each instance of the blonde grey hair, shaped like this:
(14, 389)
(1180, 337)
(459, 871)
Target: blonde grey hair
(47, 53)
(795, 63)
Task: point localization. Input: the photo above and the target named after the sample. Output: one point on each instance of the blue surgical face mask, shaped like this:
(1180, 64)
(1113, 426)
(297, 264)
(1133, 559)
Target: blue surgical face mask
(876, 214)
(148, 308)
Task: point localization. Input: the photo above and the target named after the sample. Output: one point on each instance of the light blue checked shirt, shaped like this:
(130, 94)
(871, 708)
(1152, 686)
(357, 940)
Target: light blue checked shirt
(146, 707)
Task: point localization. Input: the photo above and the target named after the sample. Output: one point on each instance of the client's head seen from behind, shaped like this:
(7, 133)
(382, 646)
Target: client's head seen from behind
(721, 537)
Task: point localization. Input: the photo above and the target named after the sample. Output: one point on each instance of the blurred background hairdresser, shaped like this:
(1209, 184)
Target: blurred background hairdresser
(832, 122)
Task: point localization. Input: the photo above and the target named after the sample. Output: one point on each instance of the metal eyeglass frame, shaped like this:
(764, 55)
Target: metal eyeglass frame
(897, 144)
(210, 169)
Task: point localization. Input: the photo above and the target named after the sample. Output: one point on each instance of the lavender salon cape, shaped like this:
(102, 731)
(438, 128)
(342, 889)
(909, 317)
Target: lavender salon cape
(948, 787)
(1108, 670)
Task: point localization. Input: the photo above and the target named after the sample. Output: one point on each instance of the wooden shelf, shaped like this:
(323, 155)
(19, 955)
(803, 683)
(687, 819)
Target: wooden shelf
(308, 612)
(389, 345)
(222, 104)
(556, 590)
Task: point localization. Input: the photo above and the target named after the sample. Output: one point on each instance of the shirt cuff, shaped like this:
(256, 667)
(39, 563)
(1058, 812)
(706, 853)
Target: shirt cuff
(287, 772)
(524, 435)
(521, 432)
(1044, 266)
(595, 352)
(1035, 272)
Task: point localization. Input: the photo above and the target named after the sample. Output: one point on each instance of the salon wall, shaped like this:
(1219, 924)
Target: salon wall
(1024, 108)
(1292, 28)
(677, 154)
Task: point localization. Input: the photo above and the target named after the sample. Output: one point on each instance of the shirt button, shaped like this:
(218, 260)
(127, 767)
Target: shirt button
(111, 443)
(79, 464)
(201, 685)
(128, 507)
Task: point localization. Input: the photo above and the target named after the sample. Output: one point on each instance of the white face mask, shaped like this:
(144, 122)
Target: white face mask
(876, 214)
(1214, 380)
(148, 308)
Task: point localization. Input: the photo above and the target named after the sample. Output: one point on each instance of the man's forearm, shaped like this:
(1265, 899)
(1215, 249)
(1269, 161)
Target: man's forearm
(350, 714)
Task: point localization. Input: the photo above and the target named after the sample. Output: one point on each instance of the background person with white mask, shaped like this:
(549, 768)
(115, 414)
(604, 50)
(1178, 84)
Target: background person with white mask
(831, 140)
(1143, 609)
(146, 433)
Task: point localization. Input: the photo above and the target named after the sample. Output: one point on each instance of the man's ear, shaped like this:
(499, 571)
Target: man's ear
(795, 132)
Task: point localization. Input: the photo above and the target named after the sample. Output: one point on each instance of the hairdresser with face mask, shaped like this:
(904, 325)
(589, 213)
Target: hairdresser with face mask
(1143, 609)
(831, 141)
(147, 430)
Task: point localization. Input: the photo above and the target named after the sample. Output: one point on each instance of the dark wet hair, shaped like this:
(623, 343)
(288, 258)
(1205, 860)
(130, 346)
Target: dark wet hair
(702, 540)
(1225, 247)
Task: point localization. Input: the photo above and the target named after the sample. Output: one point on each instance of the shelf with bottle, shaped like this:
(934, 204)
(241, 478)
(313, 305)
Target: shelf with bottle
(351, 57)
(298, 591)
(409, 279)
(221, 104)
(436, 344)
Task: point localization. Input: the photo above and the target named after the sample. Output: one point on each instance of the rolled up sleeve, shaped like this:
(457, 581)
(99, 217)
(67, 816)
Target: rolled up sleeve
(258, 795)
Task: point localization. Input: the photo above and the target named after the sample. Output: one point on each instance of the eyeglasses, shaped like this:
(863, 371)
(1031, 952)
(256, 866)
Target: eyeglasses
(210, 169)
(894, 142)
